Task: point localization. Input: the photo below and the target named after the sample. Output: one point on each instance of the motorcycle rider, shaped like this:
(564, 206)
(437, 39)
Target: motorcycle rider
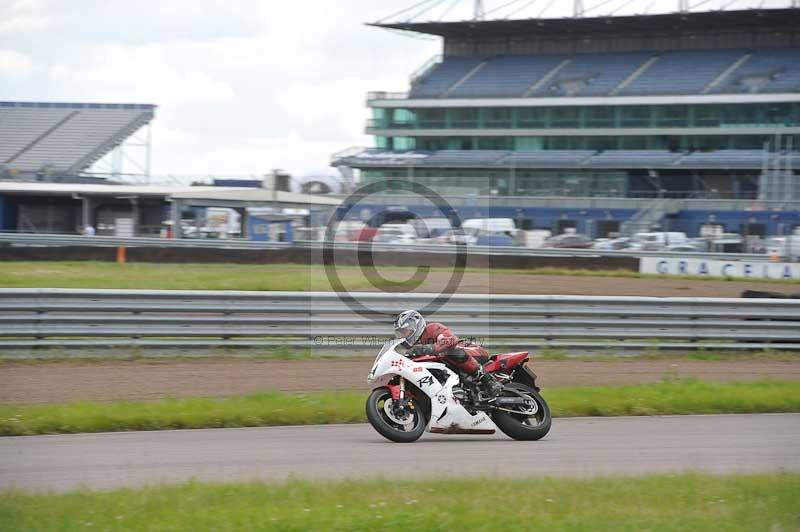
(438, 340)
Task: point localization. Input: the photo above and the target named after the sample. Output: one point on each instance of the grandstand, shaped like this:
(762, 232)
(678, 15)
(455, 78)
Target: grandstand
(688, 105)
(60, 141)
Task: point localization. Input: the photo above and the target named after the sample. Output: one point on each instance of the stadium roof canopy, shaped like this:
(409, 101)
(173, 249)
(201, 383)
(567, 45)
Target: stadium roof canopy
(64, 138)
(689, 21)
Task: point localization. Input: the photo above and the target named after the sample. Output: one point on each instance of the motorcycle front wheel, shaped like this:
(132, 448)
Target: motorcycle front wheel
(532, 423)
(405, 429)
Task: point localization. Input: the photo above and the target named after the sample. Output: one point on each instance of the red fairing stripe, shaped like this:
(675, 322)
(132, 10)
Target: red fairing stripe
(506, 361)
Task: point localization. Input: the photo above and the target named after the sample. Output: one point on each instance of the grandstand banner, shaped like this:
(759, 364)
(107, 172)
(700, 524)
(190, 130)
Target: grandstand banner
(720, 268)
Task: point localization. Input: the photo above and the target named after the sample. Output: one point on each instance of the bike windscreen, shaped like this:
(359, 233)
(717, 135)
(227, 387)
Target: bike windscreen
(395, 344)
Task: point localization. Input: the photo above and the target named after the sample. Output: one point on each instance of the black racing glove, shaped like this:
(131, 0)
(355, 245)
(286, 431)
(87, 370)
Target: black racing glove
(420, 350)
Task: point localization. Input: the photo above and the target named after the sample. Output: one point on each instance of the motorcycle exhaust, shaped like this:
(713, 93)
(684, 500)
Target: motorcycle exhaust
(513, 401)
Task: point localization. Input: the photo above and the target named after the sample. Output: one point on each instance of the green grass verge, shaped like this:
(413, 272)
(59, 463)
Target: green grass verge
(666, 502)
(292, 277)
(274, 408)
(152, 276)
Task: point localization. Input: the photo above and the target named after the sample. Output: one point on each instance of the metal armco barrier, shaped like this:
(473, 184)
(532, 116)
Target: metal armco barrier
(65, 318)
(43, 240)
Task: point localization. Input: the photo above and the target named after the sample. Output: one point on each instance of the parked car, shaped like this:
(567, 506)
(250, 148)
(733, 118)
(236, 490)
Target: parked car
(458, 236)
(430, 227)
(396, 234)
(613, 244)
(492, 239)
(569, 240)
(682, 248)
(365, 234)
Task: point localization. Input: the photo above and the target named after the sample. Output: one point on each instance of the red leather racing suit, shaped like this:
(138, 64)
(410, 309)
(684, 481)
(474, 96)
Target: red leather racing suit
(440, 341)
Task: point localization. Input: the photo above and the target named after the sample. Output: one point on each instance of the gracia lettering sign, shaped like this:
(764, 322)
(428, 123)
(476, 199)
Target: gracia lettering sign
(720, 268)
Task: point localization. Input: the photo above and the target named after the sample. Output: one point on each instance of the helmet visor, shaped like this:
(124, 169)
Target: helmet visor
(403, 332)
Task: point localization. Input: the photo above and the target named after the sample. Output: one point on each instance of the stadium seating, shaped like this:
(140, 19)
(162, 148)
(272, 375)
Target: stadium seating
(554, 159)
(442, 76)
(602, 73)
(20, 127)
(65, 138)
(682, 72)
(635, 158)
(547, 158)
(723, 159)
(465, 157)
(773, 70)
(507, 76)
(674, 72)
(791, 158)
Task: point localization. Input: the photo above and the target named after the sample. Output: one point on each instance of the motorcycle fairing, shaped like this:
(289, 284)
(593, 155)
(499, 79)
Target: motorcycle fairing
(447, 415)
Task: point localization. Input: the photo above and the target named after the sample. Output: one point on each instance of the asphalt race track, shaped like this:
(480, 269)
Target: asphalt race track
(574, 447)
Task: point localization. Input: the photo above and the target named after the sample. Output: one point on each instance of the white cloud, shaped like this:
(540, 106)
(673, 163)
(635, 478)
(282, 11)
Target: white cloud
(22, 16)
(143, 73)
(241, 156)
(329, 109)
(13, 63)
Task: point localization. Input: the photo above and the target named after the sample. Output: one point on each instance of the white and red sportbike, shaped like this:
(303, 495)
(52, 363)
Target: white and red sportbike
(413, 394)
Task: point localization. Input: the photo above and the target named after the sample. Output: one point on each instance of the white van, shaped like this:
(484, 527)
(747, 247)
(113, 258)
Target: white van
(784, 247)
(491, 231)
(490, 225)
(659, 241)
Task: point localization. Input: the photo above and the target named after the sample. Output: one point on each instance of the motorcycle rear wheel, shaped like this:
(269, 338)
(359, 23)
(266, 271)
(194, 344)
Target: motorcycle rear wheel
(388, 428)
(522, 426)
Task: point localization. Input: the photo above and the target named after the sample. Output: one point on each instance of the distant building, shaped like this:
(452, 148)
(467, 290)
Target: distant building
(59, 142)
(589, 123)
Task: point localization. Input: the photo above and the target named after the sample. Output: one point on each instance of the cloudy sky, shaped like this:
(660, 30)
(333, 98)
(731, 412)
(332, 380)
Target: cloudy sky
(242, 86)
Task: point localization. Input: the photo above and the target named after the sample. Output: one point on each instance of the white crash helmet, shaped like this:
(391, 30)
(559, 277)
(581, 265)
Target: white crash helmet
(409, 325)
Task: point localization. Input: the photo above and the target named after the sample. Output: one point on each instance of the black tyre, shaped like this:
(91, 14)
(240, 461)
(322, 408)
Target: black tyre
(388, 425)
(524, 426)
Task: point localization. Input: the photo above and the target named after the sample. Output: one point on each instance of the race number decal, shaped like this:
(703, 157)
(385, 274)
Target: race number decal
(427, 380)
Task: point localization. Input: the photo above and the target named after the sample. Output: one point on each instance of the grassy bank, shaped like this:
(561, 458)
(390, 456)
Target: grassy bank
(676, 397)
(669, 502)
(151, 276)
(294, 277)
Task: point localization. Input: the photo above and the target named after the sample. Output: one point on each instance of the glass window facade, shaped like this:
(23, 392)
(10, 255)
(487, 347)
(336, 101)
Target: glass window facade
(506, 182)
(711, 184)
(582, 142)
(629, 116)
(727, 123)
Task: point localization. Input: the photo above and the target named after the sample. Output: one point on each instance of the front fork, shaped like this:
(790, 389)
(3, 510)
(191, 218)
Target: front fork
(400, 403)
